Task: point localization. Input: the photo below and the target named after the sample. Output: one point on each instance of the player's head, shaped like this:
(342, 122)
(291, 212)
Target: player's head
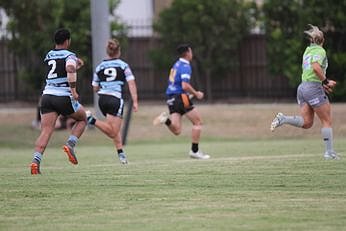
(113, 48)
(315, 35)
(185, 51)
(61, 35)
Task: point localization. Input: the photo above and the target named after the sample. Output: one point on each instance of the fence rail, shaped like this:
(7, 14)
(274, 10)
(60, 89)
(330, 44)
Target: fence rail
(250, 80)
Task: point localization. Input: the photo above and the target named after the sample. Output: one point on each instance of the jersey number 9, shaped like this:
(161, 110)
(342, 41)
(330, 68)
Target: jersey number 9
(111, 73)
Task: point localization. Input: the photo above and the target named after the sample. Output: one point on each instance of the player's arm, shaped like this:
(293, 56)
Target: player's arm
(133, 92)
(188, 88)
(71, 69)
(130, 78)
(95, 83)
(80, 63)
(327, 83)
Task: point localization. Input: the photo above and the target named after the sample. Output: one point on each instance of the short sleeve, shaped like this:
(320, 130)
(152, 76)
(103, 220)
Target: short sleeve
(318, 56)
(185, 73)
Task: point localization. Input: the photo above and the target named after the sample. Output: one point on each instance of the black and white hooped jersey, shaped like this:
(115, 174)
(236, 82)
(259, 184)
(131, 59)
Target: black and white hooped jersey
(56, 75)
(110, 75)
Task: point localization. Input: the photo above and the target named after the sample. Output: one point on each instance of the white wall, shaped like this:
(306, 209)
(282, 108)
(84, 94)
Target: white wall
(138, 14)
(3, 23)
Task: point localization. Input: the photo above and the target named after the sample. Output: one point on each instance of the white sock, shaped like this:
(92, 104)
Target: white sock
(327, 135)
(296, 121)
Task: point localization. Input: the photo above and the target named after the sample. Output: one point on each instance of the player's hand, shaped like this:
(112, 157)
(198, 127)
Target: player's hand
(328, 88)
(199, 95)
(80, 63)
(75, 95)
(135, 106)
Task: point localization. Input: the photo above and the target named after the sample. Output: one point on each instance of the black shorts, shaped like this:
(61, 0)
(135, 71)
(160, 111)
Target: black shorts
(63, 105)
(111, 105)
(180, 103)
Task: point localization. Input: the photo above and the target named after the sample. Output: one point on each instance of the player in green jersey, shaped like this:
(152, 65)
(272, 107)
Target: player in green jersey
(311, 93)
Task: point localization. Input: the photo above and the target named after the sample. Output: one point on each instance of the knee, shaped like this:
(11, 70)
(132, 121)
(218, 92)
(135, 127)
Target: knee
(197, 125)
(112, 135)
(177, 132)
(307, 124)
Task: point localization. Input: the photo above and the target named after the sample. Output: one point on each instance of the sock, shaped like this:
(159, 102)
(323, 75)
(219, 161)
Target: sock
(194, 147)
(91, 120)
(296, 121)
(37, 157)
(168, 122)
(120, 151)
(72, 140)
(327, 135)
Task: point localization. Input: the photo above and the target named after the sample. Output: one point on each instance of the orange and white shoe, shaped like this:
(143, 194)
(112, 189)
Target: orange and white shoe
(35, 168)
(70, 154)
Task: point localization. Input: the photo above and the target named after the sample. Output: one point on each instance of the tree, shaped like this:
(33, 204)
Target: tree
(213, 28)
(285, 22)
(32, 25)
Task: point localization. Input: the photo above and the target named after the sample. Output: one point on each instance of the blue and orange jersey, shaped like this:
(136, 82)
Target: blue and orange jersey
(180, 72)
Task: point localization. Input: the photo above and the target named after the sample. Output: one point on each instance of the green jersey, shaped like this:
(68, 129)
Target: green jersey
(313, 53)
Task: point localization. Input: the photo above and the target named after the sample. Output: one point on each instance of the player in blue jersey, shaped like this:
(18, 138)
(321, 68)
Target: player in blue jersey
(60, 97)
(109, 79)
(179, 93)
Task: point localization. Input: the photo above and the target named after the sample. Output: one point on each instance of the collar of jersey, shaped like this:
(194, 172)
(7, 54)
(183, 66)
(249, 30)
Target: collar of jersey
(184, 60)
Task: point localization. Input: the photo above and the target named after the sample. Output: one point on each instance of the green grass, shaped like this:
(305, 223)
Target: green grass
(256, 180)
(247, 185)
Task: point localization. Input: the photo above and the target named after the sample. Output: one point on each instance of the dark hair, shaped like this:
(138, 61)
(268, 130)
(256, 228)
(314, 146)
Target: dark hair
(182, 48)
(61, 35)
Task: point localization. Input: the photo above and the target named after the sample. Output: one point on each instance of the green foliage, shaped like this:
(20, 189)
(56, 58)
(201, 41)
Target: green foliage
(33, 23)
(32, 42)
(213, 28)
(285, 22)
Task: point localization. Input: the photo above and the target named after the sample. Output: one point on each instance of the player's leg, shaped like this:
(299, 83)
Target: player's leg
(77, 112)
(112, 107)
(47, 127)
(300, 121)
(324, 114)
(195, 118)
(174, 123)
(115, 124)
(119, 147)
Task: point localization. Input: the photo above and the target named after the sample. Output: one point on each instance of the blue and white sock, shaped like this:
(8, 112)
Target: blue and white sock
(37, 157)
(72, 140)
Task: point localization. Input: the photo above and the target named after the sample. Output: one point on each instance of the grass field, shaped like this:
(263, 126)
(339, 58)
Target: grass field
(255, 180)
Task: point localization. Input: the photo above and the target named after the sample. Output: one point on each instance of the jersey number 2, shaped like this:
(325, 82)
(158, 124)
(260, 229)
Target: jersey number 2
(51, 73)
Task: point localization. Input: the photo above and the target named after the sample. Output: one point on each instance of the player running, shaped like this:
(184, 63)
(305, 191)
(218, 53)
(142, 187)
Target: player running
(311, 93)
(179, 93)
(109, 79)
(60, 97)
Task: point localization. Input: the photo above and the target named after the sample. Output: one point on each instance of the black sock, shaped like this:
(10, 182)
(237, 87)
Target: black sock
(194, 147)
(168, 122)
(120, 151)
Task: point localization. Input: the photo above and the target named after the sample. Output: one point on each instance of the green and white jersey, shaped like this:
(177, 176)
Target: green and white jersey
(313, 53)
